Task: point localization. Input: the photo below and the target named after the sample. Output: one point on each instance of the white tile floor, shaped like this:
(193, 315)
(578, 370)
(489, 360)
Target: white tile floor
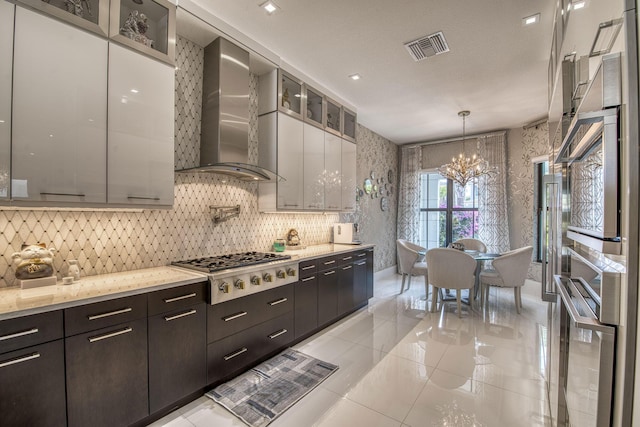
(401, 366)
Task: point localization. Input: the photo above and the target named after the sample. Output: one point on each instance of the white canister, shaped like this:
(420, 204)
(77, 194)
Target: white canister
(74, 269)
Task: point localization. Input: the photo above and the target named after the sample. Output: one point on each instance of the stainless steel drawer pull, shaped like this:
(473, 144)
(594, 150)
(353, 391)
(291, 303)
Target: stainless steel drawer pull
(44, 193)
(328, 273)
(234, 316)
(277, 334)
(174, 299)
(306, 279)
(111, 313)
(19, 334)
(237, 353)
(348, 267)
(361, 263)
(178, 316)
(142, 198)
(280, 301)
(19, 360)
(330, 262)
(308, 267)
(289, 205)
(364, 254)
(111, 334)
(347, 258)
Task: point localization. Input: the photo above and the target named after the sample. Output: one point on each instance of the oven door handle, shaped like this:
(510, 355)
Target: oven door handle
(579, 321)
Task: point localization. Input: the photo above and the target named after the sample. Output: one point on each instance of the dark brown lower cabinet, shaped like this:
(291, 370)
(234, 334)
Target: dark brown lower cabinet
(369, 273)
(177, 355)
(345, 289)
(360, 282)
(107, 376)
(32, 390)
(327, 296)
(306, 305)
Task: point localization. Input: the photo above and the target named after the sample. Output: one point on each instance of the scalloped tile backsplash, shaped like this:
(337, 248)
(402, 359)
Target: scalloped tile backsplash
(113, 241)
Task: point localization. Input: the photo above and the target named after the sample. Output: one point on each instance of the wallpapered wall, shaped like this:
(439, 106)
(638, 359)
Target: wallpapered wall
(524, 145)
(109, 241)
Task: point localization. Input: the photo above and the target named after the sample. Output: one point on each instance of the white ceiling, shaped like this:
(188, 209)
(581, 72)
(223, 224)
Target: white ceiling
(496, 67)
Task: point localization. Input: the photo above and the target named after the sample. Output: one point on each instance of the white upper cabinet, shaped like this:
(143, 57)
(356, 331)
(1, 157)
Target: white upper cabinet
(332, 172)
(313, 167)
(6, 54)
(141, 122)
(290, 163)
(59, 112)
(348, 176)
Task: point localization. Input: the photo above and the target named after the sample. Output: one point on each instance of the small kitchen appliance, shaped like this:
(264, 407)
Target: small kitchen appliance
(345, 233)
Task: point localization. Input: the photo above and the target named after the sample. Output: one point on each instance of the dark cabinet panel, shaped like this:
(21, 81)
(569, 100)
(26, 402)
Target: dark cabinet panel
(107, 380)
(306, 305)
(90, 317)
(360, 282)
(345, 289)
(177, 355)
(369, 273)
(32, 389)
(327, 296)
(30, 330)
(176, 298)
(233, 316)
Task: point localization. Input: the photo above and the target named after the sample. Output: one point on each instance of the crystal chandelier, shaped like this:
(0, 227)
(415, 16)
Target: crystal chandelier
(463, 169)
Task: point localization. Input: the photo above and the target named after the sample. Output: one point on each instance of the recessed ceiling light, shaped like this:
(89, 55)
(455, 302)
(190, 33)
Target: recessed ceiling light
(578, 4)
(355, 76)
(270, 7)
(530, 20)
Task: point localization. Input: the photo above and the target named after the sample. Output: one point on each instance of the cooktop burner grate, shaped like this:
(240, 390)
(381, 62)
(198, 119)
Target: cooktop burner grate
(224, 262)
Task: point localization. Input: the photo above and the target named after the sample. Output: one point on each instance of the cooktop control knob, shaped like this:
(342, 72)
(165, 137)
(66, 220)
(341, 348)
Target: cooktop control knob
(239, 284)
(268, 277)
(255, 280)
(281, 274)
(291, 271)
(224, 287)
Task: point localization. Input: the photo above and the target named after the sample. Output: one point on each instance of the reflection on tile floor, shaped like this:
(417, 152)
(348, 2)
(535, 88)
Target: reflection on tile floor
(401, 366)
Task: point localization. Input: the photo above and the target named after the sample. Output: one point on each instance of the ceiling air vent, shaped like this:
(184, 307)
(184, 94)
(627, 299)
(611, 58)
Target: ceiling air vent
(427, 46)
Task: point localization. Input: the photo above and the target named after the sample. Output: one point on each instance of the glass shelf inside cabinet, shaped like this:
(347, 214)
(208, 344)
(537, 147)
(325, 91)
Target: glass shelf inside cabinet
(145, 25)
(333, 116)
(290, 94)
(349, 124)
(92, 15)
(315, 105)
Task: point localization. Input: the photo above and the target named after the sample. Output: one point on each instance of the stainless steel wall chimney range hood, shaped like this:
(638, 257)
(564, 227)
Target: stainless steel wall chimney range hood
(224, 140)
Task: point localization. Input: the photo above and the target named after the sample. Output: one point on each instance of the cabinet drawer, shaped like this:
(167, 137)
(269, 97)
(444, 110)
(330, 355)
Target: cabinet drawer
(360, 255)
(232, 317)
(327, 263)
(308, 268)
(346, 258)
(175, 298)
(103, 314)
(276, 302)
(234, 354)
(30, 330)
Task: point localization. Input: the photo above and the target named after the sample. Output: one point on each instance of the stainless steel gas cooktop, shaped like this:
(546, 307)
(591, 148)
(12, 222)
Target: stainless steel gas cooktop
(224, 262)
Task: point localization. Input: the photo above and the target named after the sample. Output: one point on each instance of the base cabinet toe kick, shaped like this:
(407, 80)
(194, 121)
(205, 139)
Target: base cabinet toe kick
(131, 360)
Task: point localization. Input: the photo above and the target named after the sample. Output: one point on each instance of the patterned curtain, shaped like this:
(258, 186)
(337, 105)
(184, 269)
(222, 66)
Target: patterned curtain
(409, 193)
(493, 219)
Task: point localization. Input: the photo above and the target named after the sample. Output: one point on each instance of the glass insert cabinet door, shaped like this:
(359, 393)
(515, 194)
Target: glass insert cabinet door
(334, 115)
(349, 131)
(315, 106)
(92, 15)
(145, 25)
(290, 95)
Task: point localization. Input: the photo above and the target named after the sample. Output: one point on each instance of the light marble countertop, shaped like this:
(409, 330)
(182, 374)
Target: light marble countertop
(16, 302)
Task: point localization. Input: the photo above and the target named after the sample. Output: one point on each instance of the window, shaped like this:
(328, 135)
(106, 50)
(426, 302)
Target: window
(448, 212)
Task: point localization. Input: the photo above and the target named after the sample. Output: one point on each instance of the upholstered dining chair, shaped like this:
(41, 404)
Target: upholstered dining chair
(509, 271)
(409, 257)
(471, 244)
(451, 269)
